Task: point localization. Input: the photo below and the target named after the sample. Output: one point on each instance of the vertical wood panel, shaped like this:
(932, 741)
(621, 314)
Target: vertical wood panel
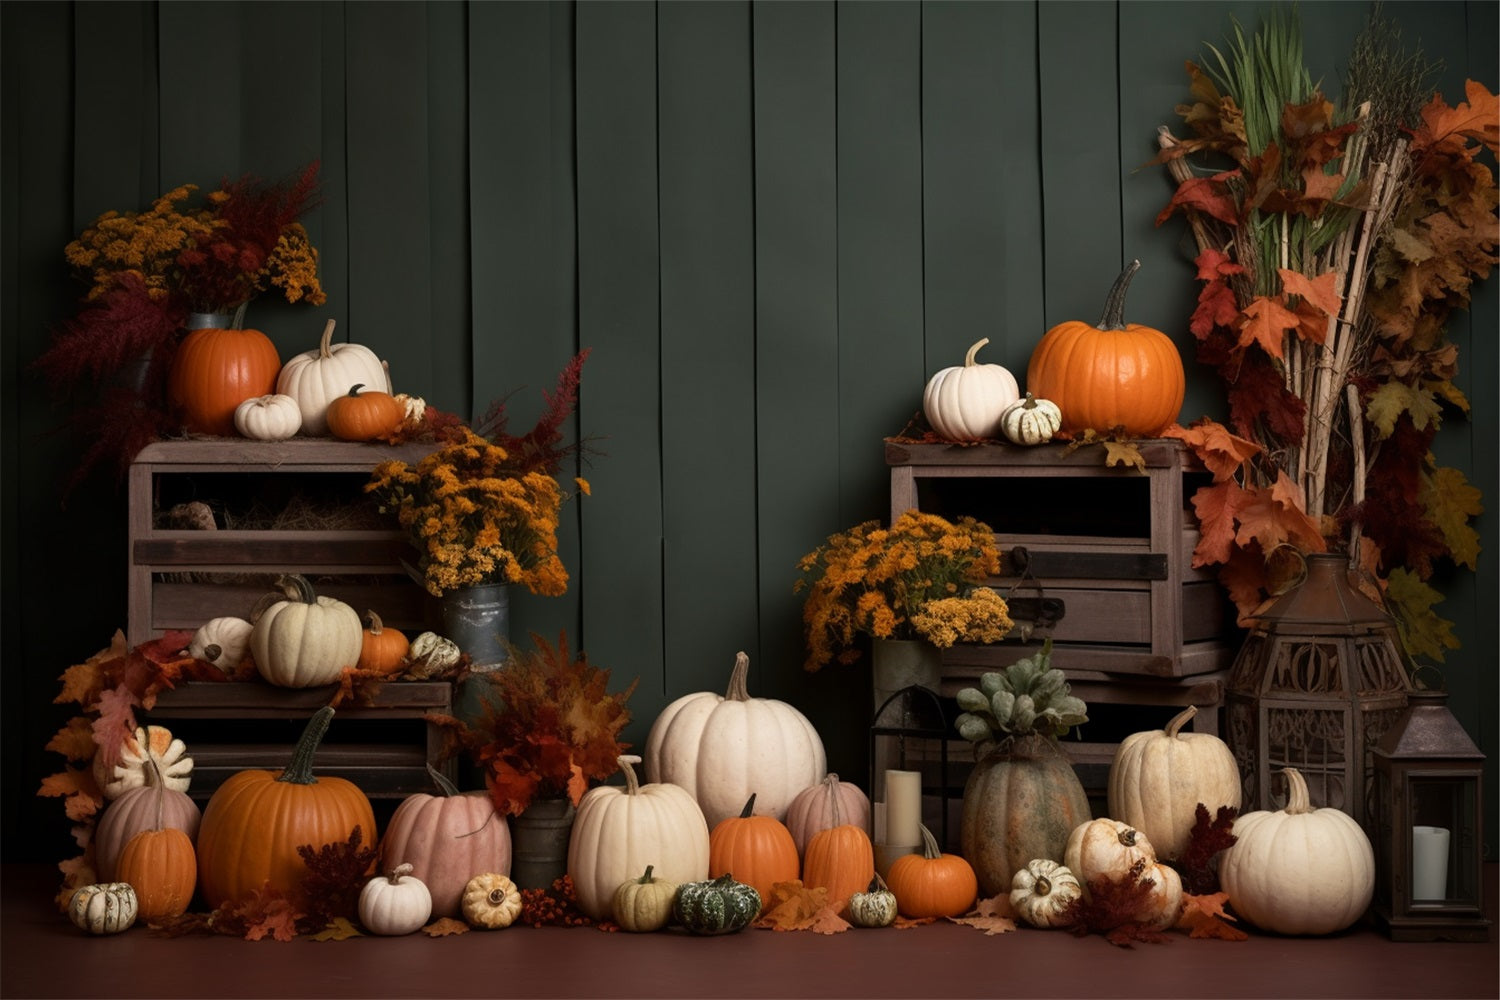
(880, 373)
(618, 307)
(114, 91)
(201, 66)
(389, 172)
(797, 322)
(707, 341)
(448, 316)
(329, 225)
(1079, 113)
(522, 246)
(965, 49)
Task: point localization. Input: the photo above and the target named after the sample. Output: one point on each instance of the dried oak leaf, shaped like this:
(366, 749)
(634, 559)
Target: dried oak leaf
(1204, 917)
(1274, 515)
(828, 921)
(1265, 324)
(1423, 632)
(444, 927)
(1207, 838)
(335, 876)
(1124, 453)
(1222, 453)
(115, 724)
(75, 740)
(80, 793)
(792, 906)
(82, 682)
(338, 929)
(1218, 507)
(993, 915)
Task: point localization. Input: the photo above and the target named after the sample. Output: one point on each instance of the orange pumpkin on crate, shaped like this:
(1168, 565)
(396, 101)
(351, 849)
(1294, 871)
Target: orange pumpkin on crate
(364, 416)
(215, 370)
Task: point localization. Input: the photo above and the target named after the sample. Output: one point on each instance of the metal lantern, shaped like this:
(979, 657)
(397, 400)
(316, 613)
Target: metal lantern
(1429, 851)
(1318, 681)
(910, 732)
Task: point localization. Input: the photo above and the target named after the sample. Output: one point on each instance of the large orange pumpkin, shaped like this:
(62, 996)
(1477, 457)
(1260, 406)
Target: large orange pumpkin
(756, 850)
(215, 370)
(257, 819)
(1110, 375)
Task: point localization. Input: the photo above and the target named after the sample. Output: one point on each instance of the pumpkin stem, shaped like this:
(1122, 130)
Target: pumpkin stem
(1114, 305)
(1181, 720)
(738, 691)
(299, 771)
(1042, 886)
(632, 783)
(395, 874)
(354, 389)
(646, 878)
(376, 625)
(212, 652)
(1127, 838)
(159, 782)
(930, 849)
(297, 587)
(1029, 403)
(1297, 799)
(448, 788)
(969, 361)
(749, 809)
(326, 342)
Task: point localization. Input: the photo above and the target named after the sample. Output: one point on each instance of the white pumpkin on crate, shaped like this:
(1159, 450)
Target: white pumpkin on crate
(305, 639)
(724, 748)
(965, 403)
(316, 378)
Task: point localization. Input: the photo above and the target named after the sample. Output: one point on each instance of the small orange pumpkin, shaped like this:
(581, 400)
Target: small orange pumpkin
(160, 865)
(840, 859)
(364, 416)
(1110, 375)
(215, 370)
(382, 649)
(757, 850)
(933, 884)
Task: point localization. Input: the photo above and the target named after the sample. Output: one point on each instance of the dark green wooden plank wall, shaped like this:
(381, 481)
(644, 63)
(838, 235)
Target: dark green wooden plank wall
(770, 222)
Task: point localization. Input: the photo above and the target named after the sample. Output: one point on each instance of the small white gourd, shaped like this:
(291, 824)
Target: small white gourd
(1041, 892)
(1030, 421)
(273, 417)
(103, 908)
(395, 903)
(222, 642)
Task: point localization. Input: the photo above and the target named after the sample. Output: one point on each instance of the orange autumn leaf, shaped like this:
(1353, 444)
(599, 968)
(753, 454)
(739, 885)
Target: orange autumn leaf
(792, 906)
(993, 915)
(82, 682)
(1321, 291)
(1204, 917)
(1478, 118)
(828, 921)
(1222, 453)
(1243, 575)
(445, 927)
(1218, 507)
(75, 741)
(1202, 194)
(1124, 453)
(76, 786)
(1265, 323)
(907, 923)
(1273, 516)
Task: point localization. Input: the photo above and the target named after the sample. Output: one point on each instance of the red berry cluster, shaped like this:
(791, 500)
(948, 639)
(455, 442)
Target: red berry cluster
(556, 906)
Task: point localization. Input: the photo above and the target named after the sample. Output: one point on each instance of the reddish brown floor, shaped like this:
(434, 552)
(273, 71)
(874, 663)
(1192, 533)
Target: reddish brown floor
(45, 956)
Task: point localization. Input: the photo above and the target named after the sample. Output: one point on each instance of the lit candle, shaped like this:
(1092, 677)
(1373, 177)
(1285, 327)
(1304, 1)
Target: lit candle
(1429, 862)
(903, 807)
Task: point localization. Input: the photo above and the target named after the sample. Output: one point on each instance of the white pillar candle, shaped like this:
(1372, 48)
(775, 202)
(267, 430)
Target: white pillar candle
(1429, 862)
(903, 805)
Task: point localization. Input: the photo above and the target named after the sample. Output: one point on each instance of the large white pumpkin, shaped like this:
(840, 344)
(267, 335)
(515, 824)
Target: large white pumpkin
(965, 403)
(1301, 870)
(619, 832)
(723, 749)
(305, 640)
(316, 378)
(1158, 777)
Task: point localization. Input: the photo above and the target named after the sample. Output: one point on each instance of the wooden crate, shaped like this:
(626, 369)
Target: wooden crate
(180, 578)
(1113, 545)
(384, 747)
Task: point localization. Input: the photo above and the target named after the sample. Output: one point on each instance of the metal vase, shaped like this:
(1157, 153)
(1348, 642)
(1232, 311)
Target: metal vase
(539, 843)
(477, 619)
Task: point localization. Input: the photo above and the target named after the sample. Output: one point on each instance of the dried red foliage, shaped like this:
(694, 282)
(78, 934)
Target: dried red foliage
(335, 876)
(1111, 909)
(1208, 837)
(554, 906)
(541, 448)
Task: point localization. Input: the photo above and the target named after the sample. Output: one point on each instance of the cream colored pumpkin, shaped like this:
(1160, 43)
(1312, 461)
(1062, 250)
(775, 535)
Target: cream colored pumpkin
(316, 378)
(620, 832)
(1158, 777)
(1030, 421)
(491, 901)
(1108, 849)
(724, 749)
(151, 754)
(305, 640)
(395, 903)
(964, 403)
(1041, 891)
(222, 642)
(273, 417)
(812, 809)
(1299, 870)
(103, 908)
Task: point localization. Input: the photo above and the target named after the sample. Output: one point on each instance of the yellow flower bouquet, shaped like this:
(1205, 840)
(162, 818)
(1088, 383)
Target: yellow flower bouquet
(475, 518)
(918, 579)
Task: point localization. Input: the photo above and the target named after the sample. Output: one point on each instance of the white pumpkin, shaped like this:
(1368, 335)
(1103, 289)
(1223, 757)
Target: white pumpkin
(965, 403)
(305, 640)
(222, 642)
(620, 832)
(1300, 870)
(151, 754)
(316, 378)
(1042, 891)
(273, 417)
(395, 903)
(1108, 849)
(103, 908)
(1030, 421)
(1158, 777)
(723, 749)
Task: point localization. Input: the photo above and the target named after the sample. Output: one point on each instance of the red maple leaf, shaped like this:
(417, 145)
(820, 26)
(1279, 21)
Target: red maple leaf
(116, 723)
(1218, 508)
(1258, 396)
(1221, 452)
(1203, 194)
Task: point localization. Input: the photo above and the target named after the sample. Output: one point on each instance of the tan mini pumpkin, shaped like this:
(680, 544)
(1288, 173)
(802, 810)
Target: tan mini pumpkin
(1158, 778)
(644, 904)
(491, 901)
(1042, 891)
(364, 415)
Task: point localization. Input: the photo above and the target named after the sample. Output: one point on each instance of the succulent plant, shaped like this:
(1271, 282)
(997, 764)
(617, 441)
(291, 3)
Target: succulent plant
(1029, 696)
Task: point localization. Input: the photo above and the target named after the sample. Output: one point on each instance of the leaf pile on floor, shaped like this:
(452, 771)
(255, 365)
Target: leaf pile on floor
(793, 906)
(993, 916)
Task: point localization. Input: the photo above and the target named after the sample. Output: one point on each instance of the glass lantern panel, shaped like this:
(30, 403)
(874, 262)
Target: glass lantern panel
(1444, 823)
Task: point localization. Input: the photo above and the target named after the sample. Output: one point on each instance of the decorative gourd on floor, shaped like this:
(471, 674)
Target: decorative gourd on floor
(1110, 374)
(395, 903)
(716, 906)
(305, 639)
(1108, 849)
(932, 884)
(446, 838)
(214, 371)
(103, 908)
(840, 859)
(1041, 892)
(644, 904)
(618, 832)
(316, 378)
(756, 850)
(724, 748)
(1022, 799)
(875, 907)
(1158, 778)
(491, 901)
(1299, 870)
(256, 820)
(964, 403)
(812, 809)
